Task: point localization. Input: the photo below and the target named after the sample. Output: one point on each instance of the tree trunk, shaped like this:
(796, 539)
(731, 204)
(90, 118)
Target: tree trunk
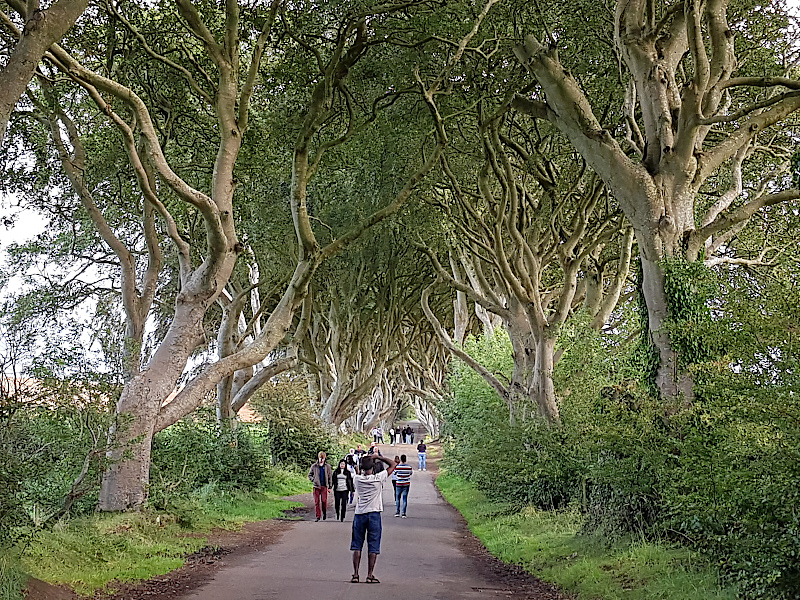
(126, 479)
(43, 28)
(542, 389)
(670, 380)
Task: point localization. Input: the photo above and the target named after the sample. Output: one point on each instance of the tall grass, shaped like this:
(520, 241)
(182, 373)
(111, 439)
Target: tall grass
(548, 544)
(12, 579)
(90, 552)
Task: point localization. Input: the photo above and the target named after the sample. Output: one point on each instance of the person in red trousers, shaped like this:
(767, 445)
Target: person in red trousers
(321, 475)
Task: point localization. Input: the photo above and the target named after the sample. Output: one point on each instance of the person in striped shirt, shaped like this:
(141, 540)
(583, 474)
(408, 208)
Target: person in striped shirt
(403, 472)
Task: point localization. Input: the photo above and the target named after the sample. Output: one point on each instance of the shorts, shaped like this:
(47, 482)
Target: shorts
(369, 524)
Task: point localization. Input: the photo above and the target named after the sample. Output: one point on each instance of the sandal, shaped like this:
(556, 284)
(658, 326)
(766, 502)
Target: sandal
(354, 579)
(372, 579)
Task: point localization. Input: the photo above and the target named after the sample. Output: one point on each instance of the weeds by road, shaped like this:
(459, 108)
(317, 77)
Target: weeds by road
(89, 553)
(548, 544)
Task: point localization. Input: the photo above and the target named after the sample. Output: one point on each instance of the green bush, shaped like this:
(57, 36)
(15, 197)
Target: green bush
(47, 436)
(296, 435)
(719, 476)
(195, 452)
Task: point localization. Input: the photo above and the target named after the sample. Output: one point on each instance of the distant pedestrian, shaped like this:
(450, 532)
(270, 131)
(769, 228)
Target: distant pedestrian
(359, 452)
(407, 434)
(321, 475)
(403, 471)
(367, 519)
(391, 435)
(379, 440)
(374, 434)
(422, 452)
(352, 466)
(342, 486)
(411, 434)
(394, 477)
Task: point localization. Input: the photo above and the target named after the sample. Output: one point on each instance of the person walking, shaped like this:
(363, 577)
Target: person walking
(422, 452)
(379, 430)
(403, 471)
(394, 477)
(342, 486)
(352, 466)
(367, 518)
(391, 435)
(321, 475)
(411, 435)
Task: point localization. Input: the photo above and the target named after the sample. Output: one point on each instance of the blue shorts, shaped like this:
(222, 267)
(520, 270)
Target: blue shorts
(369, 524)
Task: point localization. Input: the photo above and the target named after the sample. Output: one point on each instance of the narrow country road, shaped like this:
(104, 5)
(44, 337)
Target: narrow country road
(421, 558)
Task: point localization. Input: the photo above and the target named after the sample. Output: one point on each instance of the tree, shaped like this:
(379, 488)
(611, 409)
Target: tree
(41, 29)
(535, 237)
(196, 208)
(691, 109)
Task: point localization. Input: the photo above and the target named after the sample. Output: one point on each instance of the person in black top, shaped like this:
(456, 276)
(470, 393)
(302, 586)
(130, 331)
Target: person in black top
(342, 486)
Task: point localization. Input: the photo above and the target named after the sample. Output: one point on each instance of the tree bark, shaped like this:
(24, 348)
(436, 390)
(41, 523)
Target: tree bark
(43, 28)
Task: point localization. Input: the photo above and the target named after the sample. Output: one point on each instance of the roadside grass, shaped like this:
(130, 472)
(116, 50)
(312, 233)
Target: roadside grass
(547, 544)
(88, 553)
(12, 578)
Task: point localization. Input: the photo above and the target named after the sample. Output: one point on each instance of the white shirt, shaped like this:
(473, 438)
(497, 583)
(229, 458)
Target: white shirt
(369, 488)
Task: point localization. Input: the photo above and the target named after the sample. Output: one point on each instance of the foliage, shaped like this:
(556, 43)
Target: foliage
(55, 431)
(690, 288)
(196, 452)
(718, 476)
(296, 435)
(548, 544)
(90, 552)
(12, 579)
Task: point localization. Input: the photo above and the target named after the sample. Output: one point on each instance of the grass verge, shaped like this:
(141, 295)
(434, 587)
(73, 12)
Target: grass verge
(89, 553)
(547, 544)
(12, 579)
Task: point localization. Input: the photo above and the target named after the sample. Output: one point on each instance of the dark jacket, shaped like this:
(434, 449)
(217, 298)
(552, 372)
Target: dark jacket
(350, 485)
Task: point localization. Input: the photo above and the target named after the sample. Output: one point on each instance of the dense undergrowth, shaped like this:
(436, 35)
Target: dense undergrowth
(202, 477)
(717, 477)
(550, 544)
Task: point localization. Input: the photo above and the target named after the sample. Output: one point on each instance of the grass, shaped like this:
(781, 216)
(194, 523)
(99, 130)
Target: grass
(89, 553)
(547, 544)
(12, 579)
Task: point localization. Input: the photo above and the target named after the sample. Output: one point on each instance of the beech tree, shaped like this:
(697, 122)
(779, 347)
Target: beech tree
(369, 345)
(704, 95)
(41, 28)
(535, 236)
(221, 68)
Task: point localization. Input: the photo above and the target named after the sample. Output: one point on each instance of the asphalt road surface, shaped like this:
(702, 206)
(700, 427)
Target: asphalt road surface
(421, 556)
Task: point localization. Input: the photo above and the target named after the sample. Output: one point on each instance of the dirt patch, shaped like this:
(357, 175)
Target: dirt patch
(36, 589)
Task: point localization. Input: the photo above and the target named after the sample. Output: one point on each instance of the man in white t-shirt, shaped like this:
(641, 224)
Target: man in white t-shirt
(367, 519)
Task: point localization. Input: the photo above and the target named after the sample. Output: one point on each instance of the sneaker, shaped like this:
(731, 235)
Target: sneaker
(324, 517)
(396, 514)
(317, 519)
(405, 517)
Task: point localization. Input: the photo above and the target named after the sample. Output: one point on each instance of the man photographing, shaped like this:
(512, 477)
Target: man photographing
(367, 519)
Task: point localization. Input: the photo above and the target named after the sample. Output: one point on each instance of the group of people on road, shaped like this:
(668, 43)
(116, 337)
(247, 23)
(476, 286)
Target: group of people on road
(361, 475)
(401, 436)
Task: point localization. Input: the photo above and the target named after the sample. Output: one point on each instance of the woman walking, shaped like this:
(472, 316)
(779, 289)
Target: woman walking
(342, 486)
(394, 478)
(352, 466)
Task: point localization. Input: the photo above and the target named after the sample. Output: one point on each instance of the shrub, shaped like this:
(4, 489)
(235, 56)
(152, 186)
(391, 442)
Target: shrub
(719, 476)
